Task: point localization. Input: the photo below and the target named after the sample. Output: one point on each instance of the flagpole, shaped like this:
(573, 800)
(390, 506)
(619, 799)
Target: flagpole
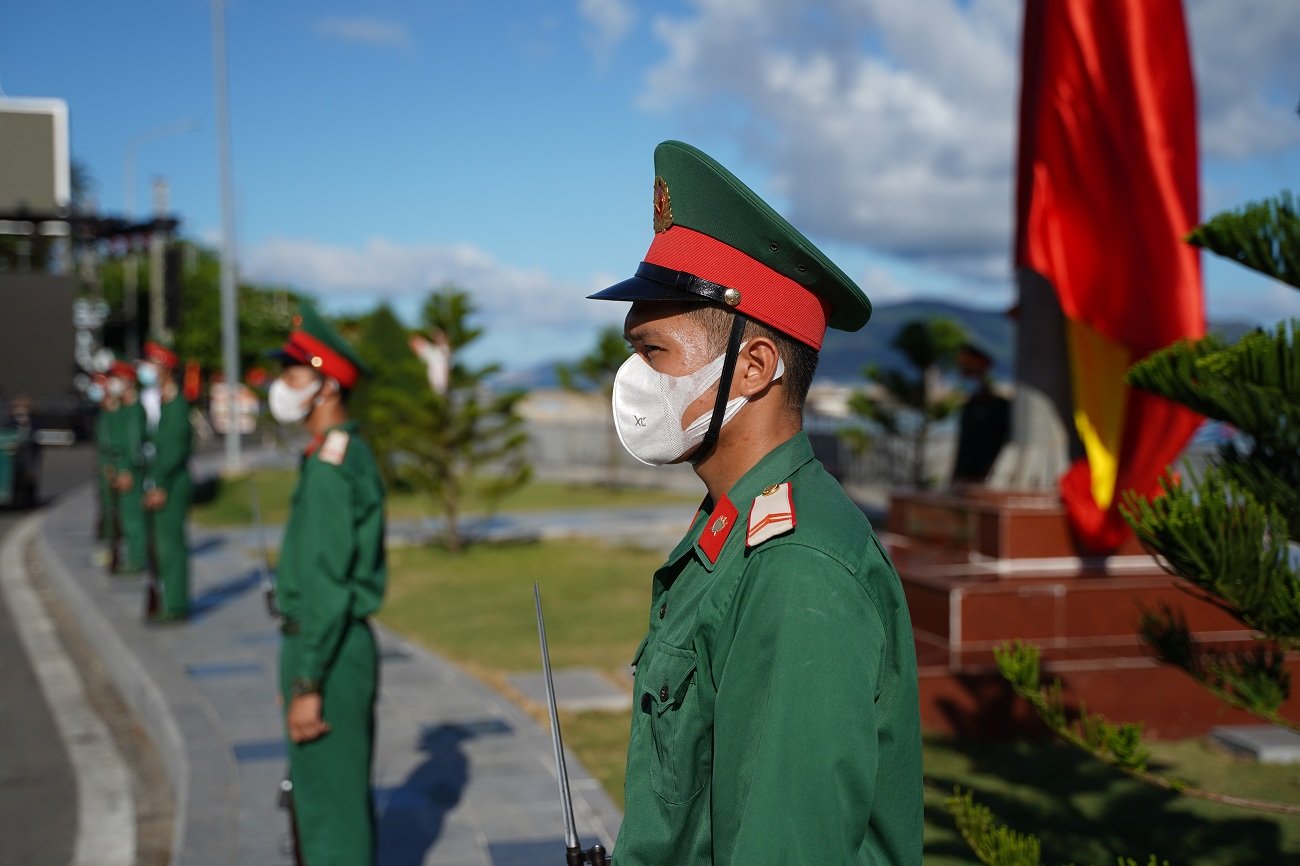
(229, 301)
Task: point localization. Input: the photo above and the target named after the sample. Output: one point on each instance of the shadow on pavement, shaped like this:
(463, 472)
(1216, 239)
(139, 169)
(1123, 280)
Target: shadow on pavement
(224, 593)
(412, 814)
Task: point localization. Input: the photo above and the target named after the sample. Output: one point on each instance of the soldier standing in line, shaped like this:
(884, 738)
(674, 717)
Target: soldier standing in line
(775, 716)
(127, 435)
(330, 579)
(98, 394)
(167, 479)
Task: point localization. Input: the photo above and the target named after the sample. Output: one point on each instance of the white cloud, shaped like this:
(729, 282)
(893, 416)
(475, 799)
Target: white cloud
(892, 126)
(1247, 75)
(383, 270)
(361, 30)
(904, 148)
(607, 25)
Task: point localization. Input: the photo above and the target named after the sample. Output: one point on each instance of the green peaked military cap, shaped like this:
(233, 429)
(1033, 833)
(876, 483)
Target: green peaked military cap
(315, 343)
(717, 241)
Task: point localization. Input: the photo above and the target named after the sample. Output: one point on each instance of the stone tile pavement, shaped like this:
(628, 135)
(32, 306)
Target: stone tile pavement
(462, 776)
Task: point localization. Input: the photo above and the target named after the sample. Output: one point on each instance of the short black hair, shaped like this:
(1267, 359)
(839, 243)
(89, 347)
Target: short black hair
(800, 358)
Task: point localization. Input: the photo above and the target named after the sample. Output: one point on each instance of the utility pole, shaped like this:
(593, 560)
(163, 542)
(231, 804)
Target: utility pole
(229, 310)
(130, 265)
(157, 267)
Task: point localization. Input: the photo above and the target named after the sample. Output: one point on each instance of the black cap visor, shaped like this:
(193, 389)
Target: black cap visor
(654, 283)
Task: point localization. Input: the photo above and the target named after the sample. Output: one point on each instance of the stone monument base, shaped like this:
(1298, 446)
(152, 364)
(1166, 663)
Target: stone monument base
(983, 567)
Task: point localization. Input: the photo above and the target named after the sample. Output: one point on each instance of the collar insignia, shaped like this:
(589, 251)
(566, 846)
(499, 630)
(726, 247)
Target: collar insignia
(718, 529)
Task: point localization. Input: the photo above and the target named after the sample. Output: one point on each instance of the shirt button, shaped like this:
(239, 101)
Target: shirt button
(663, 609)
(663, 692)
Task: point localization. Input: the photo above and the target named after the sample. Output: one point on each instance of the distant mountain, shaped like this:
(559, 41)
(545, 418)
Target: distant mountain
(845, 355)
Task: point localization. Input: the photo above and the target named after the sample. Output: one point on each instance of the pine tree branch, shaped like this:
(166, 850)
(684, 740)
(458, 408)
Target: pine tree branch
(993, 843)
(1118, 745)
(1253, 384)
(1255, 682)
(1219, 537)
(1263, 236)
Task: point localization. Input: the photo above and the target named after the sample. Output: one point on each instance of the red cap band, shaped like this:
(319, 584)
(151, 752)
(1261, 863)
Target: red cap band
(305, 348)
(765, 295)
(122, 370)
(160, 354)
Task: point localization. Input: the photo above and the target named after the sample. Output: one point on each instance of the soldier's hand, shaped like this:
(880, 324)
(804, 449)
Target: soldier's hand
(156, 499)
(123, 480)
(304, 719)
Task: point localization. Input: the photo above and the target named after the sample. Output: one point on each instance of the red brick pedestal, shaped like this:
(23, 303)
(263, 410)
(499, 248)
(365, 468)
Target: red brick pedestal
(982, 567)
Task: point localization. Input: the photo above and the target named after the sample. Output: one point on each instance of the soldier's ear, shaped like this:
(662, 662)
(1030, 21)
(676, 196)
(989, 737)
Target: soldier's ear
(762, 356)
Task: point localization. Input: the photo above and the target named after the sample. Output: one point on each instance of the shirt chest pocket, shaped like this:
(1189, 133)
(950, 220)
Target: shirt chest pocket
(670, 698)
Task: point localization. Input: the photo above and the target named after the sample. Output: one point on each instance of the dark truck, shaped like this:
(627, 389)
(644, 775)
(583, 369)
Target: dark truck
(40, 403)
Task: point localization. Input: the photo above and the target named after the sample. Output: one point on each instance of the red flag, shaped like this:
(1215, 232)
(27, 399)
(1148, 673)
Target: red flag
(1107, 190)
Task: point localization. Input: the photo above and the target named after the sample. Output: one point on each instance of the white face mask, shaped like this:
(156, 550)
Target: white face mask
(649, 407)
(291, 405)
(116, 387)
(148, 375)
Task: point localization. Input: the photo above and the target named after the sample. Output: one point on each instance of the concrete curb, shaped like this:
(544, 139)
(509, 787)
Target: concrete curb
(176, 716)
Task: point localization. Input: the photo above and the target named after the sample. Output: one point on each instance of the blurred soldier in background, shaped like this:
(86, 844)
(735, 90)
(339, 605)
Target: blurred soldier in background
(984, 425)
(105, 518)
(127, 439)
(167, 480)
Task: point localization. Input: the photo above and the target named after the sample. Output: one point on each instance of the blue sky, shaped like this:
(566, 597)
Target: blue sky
(384, 148)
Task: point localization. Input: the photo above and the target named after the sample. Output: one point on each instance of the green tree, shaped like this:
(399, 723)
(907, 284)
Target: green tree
(594, 372)
(384, 399)
(470, 439)
(1230, 530)
(912, 401)
(265, 313)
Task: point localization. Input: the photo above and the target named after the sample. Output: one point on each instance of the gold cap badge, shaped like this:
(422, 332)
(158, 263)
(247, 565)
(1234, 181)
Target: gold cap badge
(663, 206)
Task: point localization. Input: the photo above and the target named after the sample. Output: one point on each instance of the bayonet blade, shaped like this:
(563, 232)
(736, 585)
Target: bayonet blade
(561, 772)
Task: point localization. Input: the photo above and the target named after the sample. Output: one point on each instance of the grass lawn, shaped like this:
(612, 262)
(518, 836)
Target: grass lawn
(477, 609)
(230, 503)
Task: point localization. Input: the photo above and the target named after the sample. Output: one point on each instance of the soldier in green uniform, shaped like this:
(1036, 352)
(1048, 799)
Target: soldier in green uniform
(127, 438)
(97, 393)
(775, 715)
(167, 481)
(329, 580)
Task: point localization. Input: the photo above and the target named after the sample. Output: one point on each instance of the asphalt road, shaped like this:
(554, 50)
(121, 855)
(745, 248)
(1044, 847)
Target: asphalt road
(38, 809)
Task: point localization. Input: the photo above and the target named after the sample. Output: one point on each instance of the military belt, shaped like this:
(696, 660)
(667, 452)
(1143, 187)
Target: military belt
(292, 627)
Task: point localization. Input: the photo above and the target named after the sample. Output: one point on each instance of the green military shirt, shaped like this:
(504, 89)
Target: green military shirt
(172, 443)
(332, 568)
(105, 422)
(127, 437)
(775, 716)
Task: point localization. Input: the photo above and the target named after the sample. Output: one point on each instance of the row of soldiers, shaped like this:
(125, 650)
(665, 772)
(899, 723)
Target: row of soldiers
(144, 440)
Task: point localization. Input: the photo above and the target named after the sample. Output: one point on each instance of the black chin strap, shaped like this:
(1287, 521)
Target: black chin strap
(724, 389)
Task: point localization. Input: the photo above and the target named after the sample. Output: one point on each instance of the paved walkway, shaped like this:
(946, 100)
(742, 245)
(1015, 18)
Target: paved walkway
(462, 776)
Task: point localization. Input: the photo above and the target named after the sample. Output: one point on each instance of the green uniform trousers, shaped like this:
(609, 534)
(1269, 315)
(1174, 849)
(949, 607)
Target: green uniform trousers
(135, 532)
(171, 548)
(107, 517)
(331, 775)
